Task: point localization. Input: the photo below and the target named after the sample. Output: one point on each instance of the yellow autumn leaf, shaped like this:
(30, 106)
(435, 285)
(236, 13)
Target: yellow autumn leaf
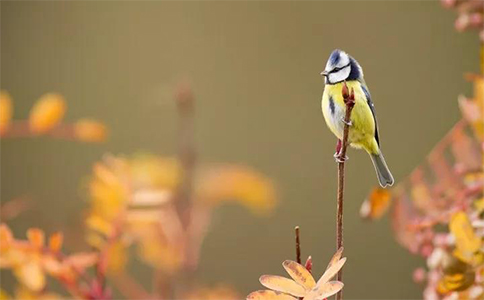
(23, 293)
(456, 282)
(336, 258)
(6, 111)
(47, 113)
(4, 295)
(269, 295)
(331, 271)
(99, 224)
(467, 242)
(31, 275)
(479, 91)
(159, 254)
(479, 205)
(150, 171)
(304, 285)
(299, 274)
(87, 130)
(237, 183)
(325, 290)
(474, 259)
(282, 284)
(117, 257)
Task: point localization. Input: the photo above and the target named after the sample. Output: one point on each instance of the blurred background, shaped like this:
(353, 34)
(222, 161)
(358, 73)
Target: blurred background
(254, 71)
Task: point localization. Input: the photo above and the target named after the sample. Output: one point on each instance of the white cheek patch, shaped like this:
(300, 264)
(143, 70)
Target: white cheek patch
(340, 75)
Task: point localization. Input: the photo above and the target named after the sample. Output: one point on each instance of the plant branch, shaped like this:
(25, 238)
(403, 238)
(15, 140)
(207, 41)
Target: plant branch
(349, 100)
(186, 149)
(21, 129)
(298, 246)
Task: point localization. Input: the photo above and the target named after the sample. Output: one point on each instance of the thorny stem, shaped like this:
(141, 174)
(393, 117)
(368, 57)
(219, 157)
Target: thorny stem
(349, 100)
(298, 246)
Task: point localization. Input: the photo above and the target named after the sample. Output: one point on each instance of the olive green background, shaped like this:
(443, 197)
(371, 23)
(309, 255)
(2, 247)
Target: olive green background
(254, 67)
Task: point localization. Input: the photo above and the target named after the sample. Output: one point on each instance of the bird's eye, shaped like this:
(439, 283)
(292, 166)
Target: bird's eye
(339, 69)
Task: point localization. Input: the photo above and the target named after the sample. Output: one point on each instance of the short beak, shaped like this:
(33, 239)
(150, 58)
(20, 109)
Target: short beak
(324, 73)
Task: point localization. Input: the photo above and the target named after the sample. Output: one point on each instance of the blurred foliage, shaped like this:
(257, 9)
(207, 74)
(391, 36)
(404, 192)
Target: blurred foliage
(446, 190)
(46, 118)
(154, 204)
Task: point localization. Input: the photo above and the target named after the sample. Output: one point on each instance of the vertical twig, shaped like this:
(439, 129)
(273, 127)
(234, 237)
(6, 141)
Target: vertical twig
(349, 100)
(186, 148)
(298, 246)
(187, 158)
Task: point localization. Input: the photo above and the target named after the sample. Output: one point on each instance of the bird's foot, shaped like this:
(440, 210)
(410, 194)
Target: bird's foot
(349, 123)
(339, 159)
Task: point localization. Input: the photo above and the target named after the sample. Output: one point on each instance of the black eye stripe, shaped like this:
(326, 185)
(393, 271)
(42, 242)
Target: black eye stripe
(339, 69)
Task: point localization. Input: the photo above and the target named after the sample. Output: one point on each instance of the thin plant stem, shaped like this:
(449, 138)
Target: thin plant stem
(349, 100)
(298, 246)
(186, 149)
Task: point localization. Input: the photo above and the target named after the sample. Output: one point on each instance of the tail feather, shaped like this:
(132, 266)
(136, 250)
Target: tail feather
(383, 173)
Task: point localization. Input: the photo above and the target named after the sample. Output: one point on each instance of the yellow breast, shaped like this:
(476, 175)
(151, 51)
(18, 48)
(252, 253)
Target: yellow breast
(362, 131)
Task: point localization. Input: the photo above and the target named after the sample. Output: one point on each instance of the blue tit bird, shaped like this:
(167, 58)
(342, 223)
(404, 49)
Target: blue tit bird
(363, 130)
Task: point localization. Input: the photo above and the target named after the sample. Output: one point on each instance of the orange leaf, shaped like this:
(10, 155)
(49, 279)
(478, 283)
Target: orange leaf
(299, 274)
(36, 237)
(91, 131)
(47, 112)
(6, 111)
(55, 241)
(376, 204)
(269, 295)
(282, 284)
(6, 237)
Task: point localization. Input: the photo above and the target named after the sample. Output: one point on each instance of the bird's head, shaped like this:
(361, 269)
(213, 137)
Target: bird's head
(340, 67)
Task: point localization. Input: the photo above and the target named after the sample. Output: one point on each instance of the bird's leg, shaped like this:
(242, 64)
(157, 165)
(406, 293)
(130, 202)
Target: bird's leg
(337, 154)
(339, 144)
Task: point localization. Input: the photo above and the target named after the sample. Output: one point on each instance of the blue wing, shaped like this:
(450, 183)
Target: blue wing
(372, 108)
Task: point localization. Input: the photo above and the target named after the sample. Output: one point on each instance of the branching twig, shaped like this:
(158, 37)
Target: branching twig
(21, 129)
(349, 100)
(298, 246)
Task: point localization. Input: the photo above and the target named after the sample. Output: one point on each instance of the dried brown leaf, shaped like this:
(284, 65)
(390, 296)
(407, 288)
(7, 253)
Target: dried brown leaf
(325, 290)
(269, 295)
(282, 284)
(299, 273)
(331, 271)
